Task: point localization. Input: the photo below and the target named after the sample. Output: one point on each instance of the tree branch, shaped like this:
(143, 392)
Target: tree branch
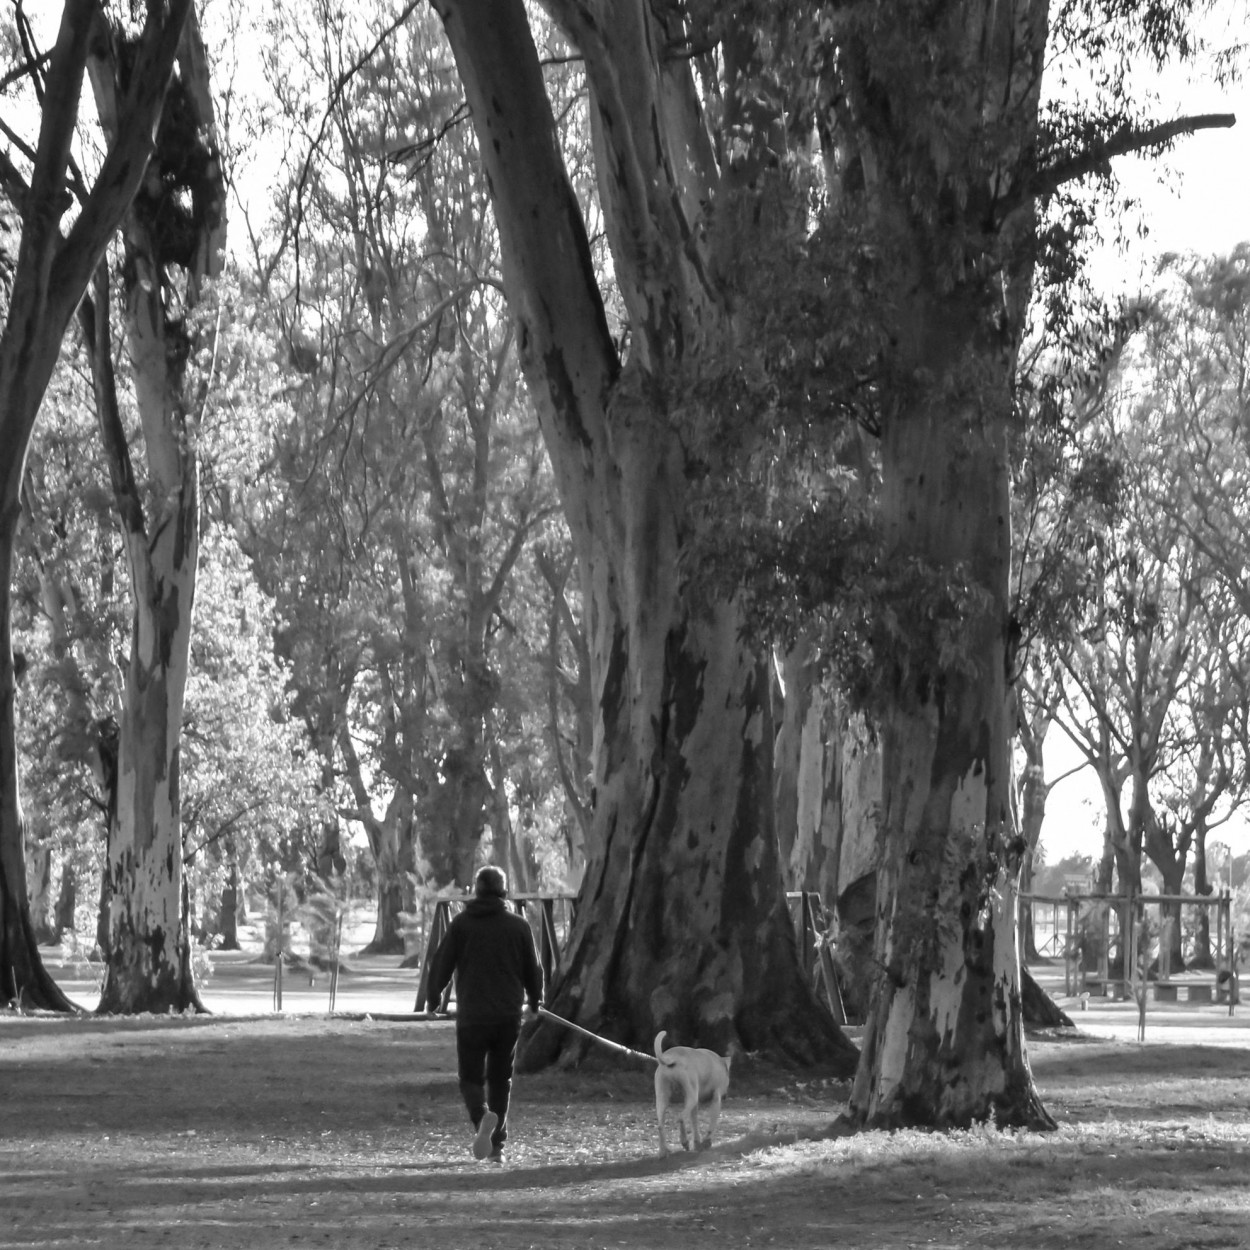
(128, 157)
(1124, 141)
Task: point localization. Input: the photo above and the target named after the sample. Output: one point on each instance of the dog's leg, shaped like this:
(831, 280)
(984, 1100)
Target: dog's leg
(690, 1117)
(713, 1114)
(661, 1101)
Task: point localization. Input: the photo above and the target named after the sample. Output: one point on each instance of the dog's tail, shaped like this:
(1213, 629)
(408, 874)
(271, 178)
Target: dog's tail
(659, 1054)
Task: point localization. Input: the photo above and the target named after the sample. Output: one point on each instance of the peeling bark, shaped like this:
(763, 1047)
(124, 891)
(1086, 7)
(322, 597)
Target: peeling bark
(681, 920)
(944, 1043)
(174, 235)
(944, 1040)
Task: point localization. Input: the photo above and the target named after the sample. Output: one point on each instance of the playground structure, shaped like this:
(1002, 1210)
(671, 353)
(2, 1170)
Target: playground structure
(1101, 938)
(1109, 946)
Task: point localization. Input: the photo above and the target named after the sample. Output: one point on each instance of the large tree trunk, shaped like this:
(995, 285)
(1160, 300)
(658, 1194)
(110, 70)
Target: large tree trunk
(49, 278)
(944, 1043)
(174, 239)
(944, 1040)
(681, 921)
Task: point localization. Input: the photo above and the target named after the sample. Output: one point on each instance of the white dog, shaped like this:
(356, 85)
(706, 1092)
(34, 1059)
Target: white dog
(690, 1077)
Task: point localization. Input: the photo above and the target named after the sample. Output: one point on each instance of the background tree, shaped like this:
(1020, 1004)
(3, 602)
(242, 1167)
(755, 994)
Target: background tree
(415, 476)
(249, 778)
(68, 618)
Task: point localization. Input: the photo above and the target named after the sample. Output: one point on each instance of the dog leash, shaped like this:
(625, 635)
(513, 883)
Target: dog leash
(594, 1037)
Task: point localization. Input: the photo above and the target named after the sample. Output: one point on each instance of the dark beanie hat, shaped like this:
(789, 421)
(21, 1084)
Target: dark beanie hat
(490, 880)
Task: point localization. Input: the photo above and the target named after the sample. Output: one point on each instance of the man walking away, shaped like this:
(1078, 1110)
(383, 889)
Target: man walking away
(490, 951)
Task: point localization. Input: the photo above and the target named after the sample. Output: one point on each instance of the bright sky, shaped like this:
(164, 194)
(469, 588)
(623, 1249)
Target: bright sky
(1203, 206)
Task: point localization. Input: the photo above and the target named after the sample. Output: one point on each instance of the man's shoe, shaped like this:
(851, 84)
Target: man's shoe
(496, 1156)
(481, 1142)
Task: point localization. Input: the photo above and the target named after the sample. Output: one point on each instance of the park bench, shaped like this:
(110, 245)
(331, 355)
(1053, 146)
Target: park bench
(1169, 991)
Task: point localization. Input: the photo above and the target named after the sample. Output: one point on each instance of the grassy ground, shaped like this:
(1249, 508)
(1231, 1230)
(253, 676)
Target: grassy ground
(248, 1131)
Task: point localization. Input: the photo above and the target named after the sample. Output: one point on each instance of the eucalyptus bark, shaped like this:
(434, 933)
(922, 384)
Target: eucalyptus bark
(174, 237)
(944, 1039)
(805, 762)
(573, 762)
(681, 921)
(944, 1042)
(50, 277)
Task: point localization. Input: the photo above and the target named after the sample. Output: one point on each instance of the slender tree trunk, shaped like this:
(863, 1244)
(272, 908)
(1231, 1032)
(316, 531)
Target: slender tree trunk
(512, 847)
(228, 914)
(174, 238)
(1033, 793)
(104, 768)
(50, 277)
(393, 845)
(807, 794)
(66, 901)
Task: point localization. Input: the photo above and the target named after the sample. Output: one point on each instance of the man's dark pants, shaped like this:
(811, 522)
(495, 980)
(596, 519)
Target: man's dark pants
(485, 1050)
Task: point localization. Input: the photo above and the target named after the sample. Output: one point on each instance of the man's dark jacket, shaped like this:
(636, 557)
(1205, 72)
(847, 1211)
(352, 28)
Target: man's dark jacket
(490, 950)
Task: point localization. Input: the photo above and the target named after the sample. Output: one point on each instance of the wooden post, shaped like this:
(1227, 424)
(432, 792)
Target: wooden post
(277, 963)
(1104, 953)
(1221, 911)
(549, 948)
(1073, 964)
(1128, 944)
(1234, 982)
(334, 955)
